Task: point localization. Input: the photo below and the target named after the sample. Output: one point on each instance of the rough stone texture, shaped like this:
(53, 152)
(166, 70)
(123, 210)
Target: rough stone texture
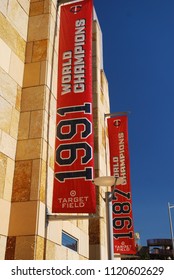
(32, 74)
(39, 50)
(5, 115)
(22, 181)
(35, 29)
(12, 38)
(24, 249)
(8, 88)
(10, 248)
(3, 166)
(36, 8)
(29, 149)
(36, 124)
(18, 17)
(40, 245)
(36, 94)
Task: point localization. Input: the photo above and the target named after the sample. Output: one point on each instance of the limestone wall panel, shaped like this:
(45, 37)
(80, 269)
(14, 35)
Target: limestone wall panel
(23, 218)
(18, 17)
(37, 27)
(4, 221)
(29, 149)
(24, 249)
(3, 240)
(34, 93)
(12, 38)
(7, 145)
(5, 54)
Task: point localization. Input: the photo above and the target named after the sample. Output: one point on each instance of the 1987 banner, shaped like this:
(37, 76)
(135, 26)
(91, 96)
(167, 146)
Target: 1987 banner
(74, 191)
(123, 231)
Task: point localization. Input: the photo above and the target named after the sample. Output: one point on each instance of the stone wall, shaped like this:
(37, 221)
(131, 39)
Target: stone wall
(28, 92)
(13, 35)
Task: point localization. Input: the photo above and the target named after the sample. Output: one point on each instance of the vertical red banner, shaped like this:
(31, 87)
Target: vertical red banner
(123, 231)
(73, 189)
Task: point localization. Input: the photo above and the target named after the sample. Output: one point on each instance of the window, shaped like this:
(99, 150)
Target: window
(69, 241)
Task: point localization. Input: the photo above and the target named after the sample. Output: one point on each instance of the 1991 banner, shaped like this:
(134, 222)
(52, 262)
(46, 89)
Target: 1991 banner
(123, 231)
(73, 188)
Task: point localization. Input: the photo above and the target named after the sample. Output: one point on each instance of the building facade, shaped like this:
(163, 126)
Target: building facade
(29, 35)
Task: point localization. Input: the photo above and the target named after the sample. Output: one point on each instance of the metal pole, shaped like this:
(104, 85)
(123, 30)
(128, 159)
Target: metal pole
(108, 200)
(171, 227)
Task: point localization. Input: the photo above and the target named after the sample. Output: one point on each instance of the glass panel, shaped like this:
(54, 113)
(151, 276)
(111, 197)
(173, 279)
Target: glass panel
(69, 241)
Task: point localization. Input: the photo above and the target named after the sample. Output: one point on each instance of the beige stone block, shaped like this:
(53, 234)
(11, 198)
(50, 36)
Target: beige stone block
(22, 181)
(19, 18)
(38, 27)
(71, 229)
(5, 54)
(25, 248)
(44, 151)
(39, 50)
(48, 6)
(12, 38)
(36, 124)
(8, 87)
(45, 127)
(43, 182)
(9, 179)
(83, 225)
(16, 69)
(8, 145)
(4, 221)
(55, 232)
(40, 244)
(5, 115)
(25, 4)
(3, 240)
(50, 188)
(104, 253)
(83, 244)
(52, 133)
(48, 72)
(33, 98)
(18, 98)
(23, 218)
(3, 166)
(24, 125)
(36, 8)
(103, 233)
(29, 149)
(60, 253)
(51, 250)
(44, 73)
(54, 84)
(3, 7)
(51, 158)
(53, 109)
(32, 74)
(29, 52)
(41, 222)
(35, 93)
(14, 123)
(72, 255)
(35, 179)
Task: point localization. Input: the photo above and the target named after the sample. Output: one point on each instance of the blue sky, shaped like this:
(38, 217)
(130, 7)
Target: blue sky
(138, 42)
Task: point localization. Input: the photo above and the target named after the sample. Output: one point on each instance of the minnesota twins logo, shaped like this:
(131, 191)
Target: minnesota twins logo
(76, 9)
(117, 123)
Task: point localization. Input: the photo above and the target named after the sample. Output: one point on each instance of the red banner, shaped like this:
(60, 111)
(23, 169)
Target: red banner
(74, 165)
(123, 231)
